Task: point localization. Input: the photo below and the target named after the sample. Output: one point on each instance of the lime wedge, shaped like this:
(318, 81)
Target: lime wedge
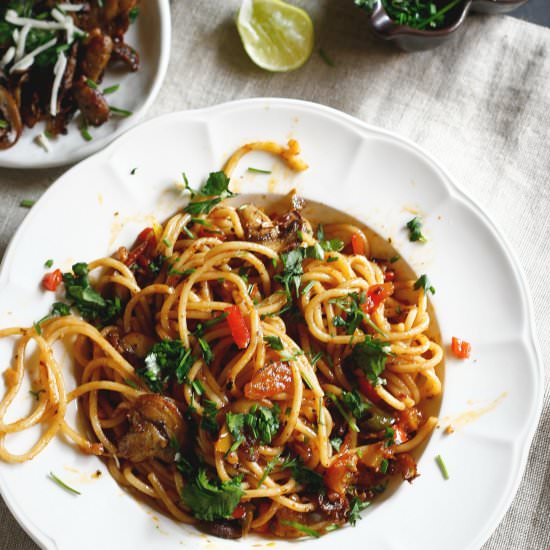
(277, 36)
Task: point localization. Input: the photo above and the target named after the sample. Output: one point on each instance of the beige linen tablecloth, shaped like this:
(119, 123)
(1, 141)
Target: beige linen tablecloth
(481, 105)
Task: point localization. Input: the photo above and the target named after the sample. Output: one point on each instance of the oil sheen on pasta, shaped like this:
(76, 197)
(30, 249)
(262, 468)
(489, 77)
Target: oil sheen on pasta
(245, 369)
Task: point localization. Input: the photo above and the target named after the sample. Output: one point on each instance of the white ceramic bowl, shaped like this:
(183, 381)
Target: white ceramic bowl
(363, 171)
(150, 36)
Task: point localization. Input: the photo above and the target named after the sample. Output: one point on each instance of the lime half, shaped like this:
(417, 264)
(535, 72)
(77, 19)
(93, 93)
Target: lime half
(277, 36)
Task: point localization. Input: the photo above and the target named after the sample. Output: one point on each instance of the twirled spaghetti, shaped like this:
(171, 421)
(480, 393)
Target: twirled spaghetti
(243, 370)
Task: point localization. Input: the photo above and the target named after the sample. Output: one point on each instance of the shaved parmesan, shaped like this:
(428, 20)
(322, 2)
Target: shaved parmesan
(42, 140)
(12, 17)
(58, 71)
(71, 7)
(21, 41)
(8, 57)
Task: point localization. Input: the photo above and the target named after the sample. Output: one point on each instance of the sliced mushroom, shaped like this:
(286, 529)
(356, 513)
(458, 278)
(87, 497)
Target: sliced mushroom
(91, 103)
(258, 226)
(125, 53)
(224, 529)
(10, 115)
(155, 424)
(97, 54)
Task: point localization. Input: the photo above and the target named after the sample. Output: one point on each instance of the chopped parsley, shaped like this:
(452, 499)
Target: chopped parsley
(211, 500)
(48, 263)
(370, 356)
(167, 360)
(351, 305)
(89, 303)
(312, 480)
(274, 342)
(291, 275)
(356, 507)
(260, 424)
(133, 171)
(133, 14)
(424, 283)
(415, 230)
(4, 124)
(209, 422)
(336, 443)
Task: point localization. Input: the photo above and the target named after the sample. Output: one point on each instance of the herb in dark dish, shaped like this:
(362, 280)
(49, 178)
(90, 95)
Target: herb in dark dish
(417, 14)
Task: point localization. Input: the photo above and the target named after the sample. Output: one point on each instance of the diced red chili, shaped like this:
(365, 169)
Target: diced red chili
(375, 296)
(461, 348)
(51, 281)
(237, 326)
(239, 512)
(367, 389)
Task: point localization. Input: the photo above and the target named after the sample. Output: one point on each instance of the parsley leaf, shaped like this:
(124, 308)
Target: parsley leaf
(209, 422)
(274, 342)
(216, 187)
(89, 303)
(415, 230)
(212, 500)
(312, 480)
(355, 404)
(424, 283)
(260, 424)
(291, 275)
(370, 356)
(356, 507)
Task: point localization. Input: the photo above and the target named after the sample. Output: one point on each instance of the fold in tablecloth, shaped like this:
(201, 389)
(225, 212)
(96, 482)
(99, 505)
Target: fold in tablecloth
(481, 105)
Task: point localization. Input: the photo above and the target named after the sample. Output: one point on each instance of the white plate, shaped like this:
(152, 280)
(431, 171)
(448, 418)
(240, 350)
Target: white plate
(366, 172)
(150, 36)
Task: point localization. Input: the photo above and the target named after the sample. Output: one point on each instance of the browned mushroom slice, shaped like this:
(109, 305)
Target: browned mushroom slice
(97, 54)
(126, 54)
(257, 225)
(11, 126)
(155, 423)
(91, 103)
(280, 233)
(224, 529)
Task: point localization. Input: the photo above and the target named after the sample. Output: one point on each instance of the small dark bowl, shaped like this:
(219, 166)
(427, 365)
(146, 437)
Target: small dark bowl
(410, 39)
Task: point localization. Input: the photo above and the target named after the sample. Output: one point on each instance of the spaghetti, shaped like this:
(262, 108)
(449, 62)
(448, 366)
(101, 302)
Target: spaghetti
(239, 370)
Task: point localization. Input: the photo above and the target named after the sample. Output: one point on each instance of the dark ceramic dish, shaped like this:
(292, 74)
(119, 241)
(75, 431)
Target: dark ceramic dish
(411, 39)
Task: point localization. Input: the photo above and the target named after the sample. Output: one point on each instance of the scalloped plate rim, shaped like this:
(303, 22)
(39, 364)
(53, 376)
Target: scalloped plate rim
(204, 114)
